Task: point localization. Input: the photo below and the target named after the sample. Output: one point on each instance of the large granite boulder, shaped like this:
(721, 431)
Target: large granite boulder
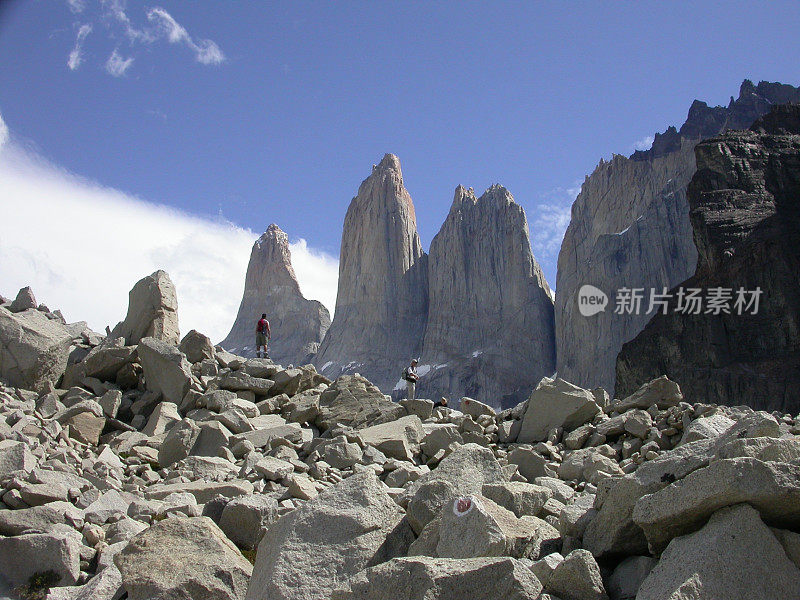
(743, 198)
(630, 229)
(26, 555)
(771, 487)
(613, 532)
(183, 559)
(297, 325)
(34, 349)
(317, 547)
(396, 439)
(471, 526)
(556, 403)
(463, 472)
(382, 300)
(491, 331)
(423, 578)
(352, 400)
(733, 556)
(166, 369)
(152, 311)
(15, 457)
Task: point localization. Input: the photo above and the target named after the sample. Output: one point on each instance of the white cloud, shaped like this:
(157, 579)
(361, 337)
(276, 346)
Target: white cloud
(317, 272)
(82, 246)
(115, 20)
(206, 52)
(550, 222)
(4, 135)
(77, 6)
(76, 55)
(116, 9)
(644, 143)
(116, 65)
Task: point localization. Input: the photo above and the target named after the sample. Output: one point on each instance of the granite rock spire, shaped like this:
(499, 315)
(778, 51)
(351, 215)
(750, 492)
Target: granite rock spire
(298, 325)
(382, 299)
(490, 332)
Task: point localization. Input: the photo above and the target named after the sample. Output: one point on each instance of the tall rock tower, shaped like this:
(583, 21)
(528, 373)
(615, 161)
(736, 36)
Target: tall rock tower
(382, 300)
(630, 228)
(298, 325)
(490, 332)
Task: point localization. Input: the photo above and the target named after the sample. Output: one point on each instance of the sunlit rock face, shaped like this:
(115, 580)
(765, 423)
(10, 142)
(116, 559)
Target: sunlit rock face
(490, 331)
(382, 299)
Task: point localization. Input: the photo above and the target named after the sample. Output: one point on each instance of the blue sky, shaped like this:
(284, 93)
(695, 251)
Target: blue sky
(275, 112)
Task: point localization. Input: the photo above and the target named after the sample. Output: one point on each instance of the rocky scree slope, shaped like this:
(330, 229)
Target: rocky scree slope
(630, 228)
(298, 325)
(157, 471)
(745, 210)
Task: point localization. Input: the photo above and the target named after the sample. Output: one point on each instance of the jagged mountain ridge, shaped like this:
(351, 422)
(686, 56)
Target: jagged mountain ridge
(382, 298)
(477, 309)
(744, 210)
(630, 228)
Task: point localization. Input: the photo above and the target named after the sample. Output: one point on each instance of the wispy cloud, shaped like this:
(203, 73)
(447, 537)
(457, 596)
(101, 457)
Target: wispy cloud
(158, 114)
(550, 222)
(88, 277)
(77, 6)
(116, 10)
(160, 25)
(76, 55)
(116, 65)
(644, 143)
(4, 135)
(206, 52)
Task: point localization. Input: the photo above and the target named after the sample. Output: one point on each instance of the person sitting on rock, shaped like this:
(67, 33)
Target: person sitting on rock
(441, 402)
(411, 377)
(263, 334)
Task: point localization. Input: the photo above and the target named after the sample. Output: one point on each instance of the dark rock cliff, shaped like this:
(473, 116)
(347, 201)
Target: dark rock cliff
(745, 212)
(630, 228)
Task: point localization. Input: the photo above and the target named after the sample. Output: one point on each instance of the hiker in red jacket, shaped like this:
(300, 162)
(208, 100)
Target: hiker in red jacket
(262, 336)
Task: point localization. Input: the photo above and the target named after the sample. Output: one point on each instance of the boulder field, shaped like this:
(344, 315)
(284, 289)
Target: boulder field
(168, 468)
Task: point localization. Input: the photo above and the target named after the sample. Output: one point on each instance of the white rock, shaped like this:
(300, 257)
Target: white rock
(396, 439)
(152, 311)
(245, 519)
(15, 456)
(577, 577)
(166, 370)
(682, 507)
(424, 578)
(25, 555)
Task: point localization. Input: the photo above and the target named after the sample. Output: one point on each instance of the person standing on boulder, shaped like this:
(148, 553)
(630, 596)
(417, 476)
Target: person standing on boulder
(263, 334)
(411, 377)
